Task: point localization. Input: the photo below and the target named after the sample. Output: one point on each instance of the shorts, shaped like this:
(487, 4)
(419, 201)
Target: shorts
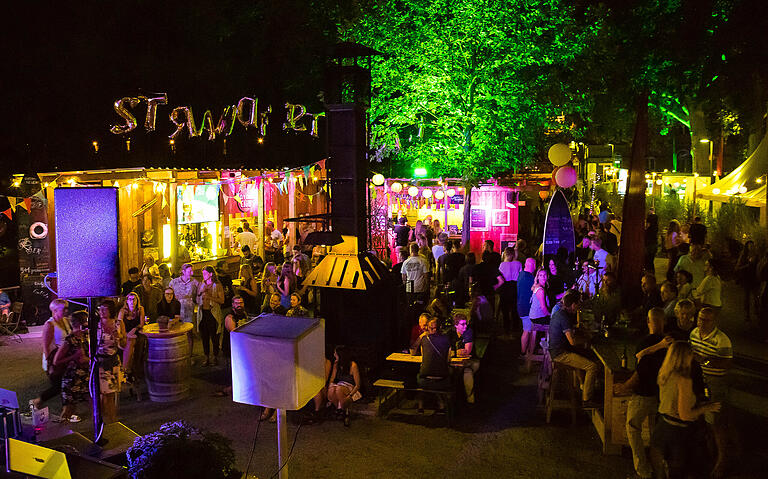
(349, 387)
(718, 392)
(527, 323)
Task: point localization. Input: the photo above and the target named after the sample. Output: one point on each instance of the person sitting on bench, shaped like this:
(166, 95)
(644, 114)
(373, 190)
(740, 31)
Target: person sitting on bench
(435, 348)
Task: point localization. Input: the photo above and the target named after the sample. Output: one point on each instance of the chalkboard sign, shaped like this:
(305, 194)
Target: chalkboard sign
(478, 219)
(33, 253)
(457, 199)
(558, 226)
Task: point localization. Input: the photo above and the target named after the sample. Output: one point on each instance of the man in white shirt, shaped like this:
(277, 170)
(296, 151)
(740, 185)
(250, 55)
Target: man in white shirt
(415, 273)
(247, 238)
(603, 259)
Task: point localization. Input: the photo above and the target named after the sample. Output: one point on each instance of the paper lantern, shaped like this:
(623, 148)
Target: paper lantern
(566, 177)
(396, 187)
(277, 361)
(543, 194)
(559, 154)
(378, 179)
(439, 195)
(426, 193)
(451, 192)
(413, 191)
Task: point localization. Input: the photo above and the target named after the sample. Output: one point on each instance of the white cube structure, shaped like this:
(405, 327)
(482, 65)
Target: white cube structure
(278, 361)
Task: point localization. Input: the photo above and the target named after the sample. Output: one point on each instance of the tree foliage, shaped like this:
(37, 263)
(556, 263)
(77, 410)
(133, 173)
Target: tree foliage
(471, 88)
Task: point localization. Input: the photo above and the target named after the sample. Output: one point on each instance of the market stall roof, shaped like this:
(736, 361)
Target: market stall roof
(744, 176)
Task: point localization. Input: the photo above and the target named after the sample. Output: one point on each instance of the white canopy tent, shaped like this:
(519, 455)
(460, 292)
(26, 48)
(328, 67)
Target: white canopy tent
(746, 183)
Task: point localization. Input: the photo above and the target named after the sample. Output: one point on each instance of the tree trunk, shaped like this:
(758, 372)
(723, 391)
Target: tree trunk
(699, 132)
(633, 230)
(465, 224)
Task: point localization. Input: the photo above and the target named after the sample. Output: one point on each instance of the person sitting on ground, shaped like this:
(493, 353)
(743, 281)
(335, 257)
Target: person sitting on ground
(462, 339)
(644, 390)
(674, 437)
(683, 280)
(669, 300)
(133, 281)
(296, 308)
(435, 349)
(562, 344)
(72, 357)
(274, 306)
(707, 293)
(149, 296)
(344, 387)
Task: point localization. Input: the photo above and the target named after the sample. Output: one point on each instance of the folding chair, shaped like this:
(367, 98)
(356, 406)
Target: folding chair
(9, 324)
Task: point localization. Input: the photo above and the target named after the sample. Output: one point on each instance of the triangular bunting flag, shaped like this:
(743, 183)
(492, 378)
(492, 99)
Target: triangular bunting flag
(40, 194)
(322, 164)
(12, 200)
(307, 172)
(8, 214)
(27, 204)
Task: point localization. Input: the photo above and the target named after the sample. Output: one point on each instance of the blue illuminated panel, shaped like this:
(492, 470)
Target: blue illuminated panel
(86, 241)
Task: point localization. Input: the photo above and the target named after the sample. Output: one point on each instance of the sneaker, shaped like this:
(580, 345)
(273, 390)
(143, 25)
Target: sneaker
(75, 418)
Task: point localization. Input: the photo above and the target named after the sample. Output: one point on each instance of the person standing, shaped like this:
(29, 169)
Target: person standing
(133, 281)
(694, 263)
(645, 391)
(415, 274)
(247, 238)
(674, 436)
(713, 351)
(402, 232)
(602, 258)
(434, 348)
(72, 357)
(149, 296)
(651, 241)
(55, 330)
(169, 306)
(746, 277)
(248, 290)
(111, 337)
(132, 316)
(698, 232)
(524, 291)
(210, 297)
(185, 289)
(707, 293)
(287, 284)
(510, 270)
(672, 241)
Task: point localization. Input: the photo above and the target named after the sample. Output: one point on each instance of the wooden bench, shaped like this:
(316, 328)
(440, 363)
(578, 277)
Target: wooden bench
(390, 389)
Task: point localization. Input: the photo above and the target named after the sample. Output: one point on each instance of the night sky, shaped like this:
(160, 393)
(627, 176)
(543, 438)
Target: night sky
(65, 65)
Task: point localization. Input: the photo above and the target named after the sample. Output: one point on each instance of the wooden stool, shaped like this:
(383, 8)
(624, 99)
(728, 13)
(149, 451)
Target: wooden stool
(570, 379)
(530, 356)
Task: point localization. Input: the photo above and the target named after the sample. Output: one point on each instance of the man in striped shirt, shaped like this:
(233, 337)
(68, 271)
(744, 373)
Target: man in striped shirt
(714, 352)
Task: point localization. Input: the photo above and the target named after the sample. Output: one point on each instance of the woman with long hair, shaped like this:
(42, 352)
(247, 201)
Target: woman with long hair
(674, 437)
(248, 289)
(507, 290)
(707, 293)
(539, 312)
(344, 386)
(286, 284)
(131, 315)
(210, 297)
(111, 337)
(268, 283)
(672, 240)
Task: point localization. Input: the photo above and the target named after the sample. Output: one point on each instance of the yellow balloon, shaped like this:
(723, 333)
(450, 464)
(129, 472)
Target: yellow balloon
(559, 154)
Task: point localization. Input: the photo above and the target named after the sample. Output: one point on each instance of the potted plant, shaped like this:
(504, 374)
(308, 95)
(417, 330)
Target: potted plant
(180, 450)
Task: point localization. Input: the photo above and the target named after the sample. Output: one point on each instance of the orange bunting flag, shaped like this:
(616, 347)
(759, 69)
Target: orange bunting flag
(13, 200)
(8, 214)
(27, 203)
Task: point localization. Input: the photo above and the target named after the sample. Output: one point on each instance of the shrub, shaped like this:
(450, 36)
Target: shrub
(180, 450)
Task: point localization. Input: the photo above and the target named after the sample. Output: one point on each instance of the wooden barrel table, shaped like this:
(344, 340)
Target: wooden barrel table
(168, 362)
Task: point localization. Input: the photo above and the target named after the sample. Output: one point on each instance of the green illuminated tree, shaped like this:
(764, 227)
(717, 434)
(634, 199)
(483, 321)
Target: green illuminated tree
(471, 88)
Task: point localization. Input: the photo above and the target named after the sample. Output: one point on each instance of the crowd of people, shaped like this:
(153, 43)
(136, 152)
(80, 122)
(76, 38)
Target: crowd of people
(449, 296)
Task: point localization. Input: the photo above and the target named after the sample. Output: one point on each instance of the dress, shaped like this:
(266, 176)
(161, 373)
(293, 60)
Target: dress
(74, 382)
(110, 373)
